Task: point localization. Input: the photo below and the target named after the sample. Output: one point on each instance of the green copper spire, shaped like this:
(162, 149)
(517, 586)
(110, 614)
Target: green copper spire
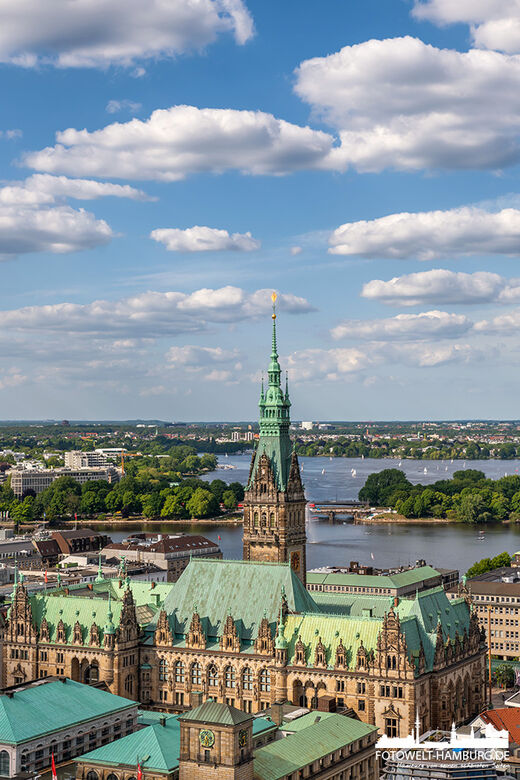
(109, 626)
(281, 642)
(99, 577)
(275, 420)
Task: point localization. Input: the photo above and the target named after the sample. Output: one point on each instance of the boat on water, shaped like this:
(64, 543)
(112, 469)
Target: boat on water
(323, 471)
(354, 472)
(425, 470)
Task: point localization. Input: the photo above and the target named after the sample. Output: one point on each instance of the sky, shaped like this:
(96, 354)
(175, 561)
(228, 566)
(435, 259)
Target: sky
(166, 165)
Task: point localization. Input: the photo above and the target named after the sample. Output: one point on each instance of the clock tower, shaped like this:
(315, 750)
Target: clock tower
(274, 501)
(217, 742)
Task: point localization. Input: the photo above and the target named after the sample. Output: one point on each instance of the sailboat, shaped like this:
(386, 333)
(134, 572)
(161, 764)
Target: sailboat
(354, 472)
(323, 471)
(425, 470)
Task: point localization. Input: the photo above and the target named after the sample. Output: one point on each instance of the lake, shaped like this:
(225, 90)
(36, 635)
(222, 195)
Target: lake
(446, 545)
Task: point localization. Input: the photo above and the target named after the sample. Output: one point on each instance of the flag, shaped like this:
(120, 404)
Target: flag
(53, 769)
(75, 515)
(372, 556)
(218, 537)
(45, 576)
(139, 771)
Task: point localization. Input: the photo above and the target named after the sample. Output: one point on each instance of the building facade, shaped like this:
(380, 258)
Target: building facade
(33, 481)
(274, 501)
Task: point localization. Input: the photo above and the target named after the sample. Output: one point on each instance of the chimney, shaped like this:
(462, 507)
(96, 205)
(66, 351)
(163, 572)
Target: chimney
(162, 720)
(277, 712)
(196, 698)
(396, 601)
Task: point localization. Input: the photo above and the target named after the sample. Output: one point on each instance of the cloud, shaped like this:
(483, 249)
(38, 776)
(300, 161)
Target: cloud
(401, 103)
(296, 250)
(204, 239)
(494, 24)
(339, 363)
(198, 357)
(176, 142)
(443, 287)
(115, 106)
(42, 188)
(415, 327)
(150, 314)
(505, 324)
(60, 229)
(11, 134)
(86, 34)
(428, 235)
(12, 378)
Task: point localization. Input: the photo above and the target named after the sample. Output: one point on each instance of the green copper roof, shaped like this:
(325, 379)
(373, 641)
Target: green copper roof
(288, 755)
(52, 706)
(241, 589)
(157, 747)
(211, 711)
(305, 721)
(410, 577)
(94, 605)
(275, 420)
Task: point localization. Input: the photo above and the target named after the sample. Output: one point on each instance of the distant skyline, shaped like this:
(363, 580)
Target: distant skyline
(161, 176)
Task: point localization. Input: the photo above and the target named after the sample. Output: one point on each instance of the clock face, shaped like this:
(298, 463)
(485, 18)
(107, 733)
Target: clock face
(206, 738)
(242, 738)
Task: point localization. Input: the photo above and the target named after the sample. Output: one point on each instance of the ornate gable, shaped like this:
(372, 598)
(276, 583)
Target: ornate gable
(299, 652)
(320, 654)
(341, 655)
(230, 640)
(163, 635)
(264, 642)
(77, 635)
(95, 638)
(196, 636)
(128, 629)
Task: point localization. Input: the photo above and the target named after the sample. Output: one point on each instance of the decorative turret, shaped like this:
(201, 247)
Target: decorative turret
(109, 628)
(274, 502)
(99, 577)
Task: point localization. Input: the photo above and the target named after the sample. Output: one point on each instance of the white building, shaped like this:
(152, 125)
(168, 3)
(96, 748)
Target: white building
(23, 480)
(75, 459)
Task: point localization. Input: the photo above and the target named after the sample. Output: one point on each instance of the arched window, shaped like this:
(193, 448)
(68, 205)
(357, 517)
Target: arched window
(112, 776)
(264, 519)
(247, 679)
(179, 672)
(94, 672)
(129, 684)
(230, 677)
(255, 519)
(265, 680)
(196, 677)
(163, 669)
(92, 775)
(4, 763)
(271, 520)
(212, 675)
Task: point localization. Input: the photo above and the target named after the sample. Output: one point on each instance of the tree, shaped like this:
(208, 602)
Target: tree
(174, 506)
(505, 675)
(379, 486)
(208, 461)
(217, 487)
(152, 504)
(202, 504)
(488, 564)
(229, 500)
(238, 490)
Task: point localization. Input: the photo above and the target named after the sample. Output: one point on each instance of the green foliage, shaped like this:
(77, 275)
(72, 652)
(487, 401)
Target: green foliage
(202, 504)
(505, 675)
(488, 564)
(380, 486)
(229, 500)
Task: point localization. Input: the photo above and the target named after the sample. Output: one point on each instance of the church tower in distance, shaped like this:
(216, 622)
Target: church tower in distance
(274, 502)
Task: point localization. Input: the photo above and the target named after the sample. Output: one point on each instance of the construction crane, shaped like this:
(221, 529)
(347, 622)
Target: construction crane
(128, 455)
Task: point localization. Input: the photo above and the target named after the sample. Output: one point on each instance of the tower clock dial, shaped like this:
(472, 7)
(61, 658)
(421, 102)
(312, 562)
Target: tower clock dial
(206, 738)
(242, 738)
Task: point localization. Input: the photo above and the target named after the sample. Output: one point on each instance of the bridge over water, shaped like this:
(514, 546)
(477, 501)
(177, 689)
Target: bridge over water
(350, 509)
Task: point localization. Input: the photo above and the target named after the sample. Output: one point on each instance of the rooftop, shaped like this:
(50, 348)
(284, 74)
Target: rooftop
(212, 712)
(400, 580)
(51, 705)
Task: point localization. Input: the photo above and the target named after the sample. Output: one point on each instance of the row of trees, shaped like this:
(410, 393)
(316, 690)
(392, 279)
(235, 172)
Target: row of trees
(434, 449)
(190, 498)
(468, 497)
(488, 564)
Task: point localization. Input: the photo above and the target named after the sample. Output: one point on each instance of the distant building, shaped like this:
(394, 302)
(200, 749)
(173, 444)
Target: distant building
(80, 540)
(307, 425)
(28, 481)
(406, 583)
(59, 717)
(80, 460)
(172, 553)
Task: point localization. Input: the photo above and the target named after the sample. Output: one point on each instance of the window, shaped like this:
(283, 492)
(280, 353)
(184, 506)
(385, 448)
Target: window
(230, 677)
(265, 680)
(340, 685)
(163, 695)
(43, 655)
(179, 698)
(111, 776)
(196, 677)
(384, 690)
(361, 687)
(212, 676)
(59, 658)
(92, 775)
(4, 763)
(361, 705)
(391, 662)
(163, 669)
(247, 679)
(255, 520)
(179, 672)
(129, 684)
(391, 729)
(271, 520)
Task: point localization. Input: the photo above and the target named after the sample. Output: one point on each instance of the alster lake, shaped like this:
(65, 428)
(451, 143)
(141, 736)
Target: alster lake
(450, 545)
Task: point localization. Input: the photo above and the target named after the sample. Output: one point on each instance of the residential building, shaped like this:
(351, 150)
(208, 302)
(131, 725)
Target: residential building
(495, 596)
(57, 717)
(76, 459)
(77, 540)
(504, 719)
(33, 481)
(169, 552)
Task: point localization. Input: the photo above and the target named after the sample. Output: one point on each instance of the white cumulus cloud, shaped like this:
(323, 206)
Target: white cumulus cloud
(494, 24)
(41, 188)
(427, 235)
(404, 104)
(442, 286)
(204, 239)
(506, 324)
(115, 106)
(176, 142)
(415, 327)
(99, 33)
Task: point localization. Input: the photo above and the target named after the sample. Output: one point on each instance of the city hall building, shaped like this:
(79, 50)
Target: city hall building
(248, 633)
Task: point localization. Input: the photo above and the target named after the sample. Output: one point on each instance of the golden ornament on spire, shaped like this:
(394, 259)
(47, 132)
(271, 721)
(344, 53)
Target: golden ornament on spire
(273, 298)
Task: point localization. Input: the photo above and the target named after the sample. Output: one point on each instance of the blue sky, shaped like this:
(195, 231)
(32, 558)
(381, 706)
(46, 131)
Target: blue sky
(165, 166)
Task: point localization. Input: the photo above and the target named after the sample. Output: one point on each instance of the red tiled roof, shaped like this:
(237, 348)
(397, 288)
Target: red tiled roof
(507, 718)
